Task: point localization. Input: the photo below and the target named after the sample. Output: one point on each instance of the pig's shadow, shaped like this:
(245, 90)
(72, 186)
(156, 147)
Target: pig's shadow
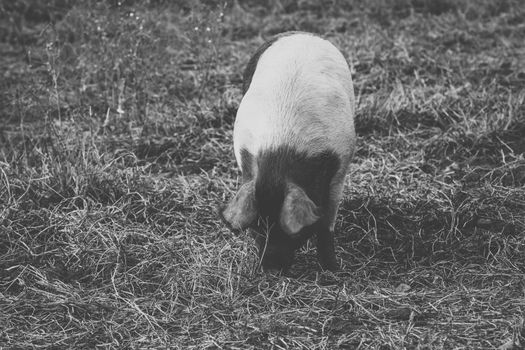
(383, 235)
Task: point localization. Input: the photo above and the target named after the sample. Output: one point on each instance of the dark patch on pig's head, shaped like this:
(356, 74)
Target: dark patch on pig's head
(276, 169)
(278, 166)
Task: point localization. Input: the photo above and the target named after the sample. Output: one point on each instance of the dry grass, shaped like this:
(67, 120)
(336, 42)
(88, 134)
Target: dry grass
(115, 149)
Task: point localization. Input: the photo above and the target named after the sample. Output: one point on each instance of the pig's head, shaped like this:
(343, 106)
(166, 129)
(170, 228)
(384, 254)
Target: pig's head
(281, 218)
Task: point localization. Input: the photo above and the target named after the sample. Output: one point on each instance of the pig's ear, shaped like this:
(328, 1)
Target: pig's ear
(241, 212)
(298, 211)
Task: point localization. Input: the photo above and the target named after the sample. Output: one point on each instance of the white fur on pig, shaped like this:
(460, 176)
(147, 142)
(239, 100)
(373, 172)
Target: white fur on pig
(301, 95)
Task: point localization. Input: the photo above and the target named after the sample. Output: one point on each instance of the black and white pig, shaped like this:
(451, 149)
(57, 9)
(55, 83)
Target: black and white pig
(293, 139)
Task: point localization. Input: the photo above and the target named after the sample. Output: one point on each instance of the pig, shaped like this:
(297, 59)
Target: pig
(293, 139)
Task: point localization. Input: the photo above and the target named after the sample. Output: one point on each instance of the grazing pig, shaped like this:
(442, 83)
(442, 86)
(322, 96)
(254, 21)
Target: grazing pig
(293, 139)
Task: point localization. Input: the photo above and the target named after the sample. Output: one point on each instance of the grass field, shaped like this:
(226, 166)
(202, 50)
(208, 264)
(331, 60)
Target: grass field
(116, 148)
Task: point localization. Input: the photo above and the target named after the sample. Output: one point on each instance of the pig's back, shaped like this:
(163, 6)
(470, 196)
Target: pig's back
(299, 96)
